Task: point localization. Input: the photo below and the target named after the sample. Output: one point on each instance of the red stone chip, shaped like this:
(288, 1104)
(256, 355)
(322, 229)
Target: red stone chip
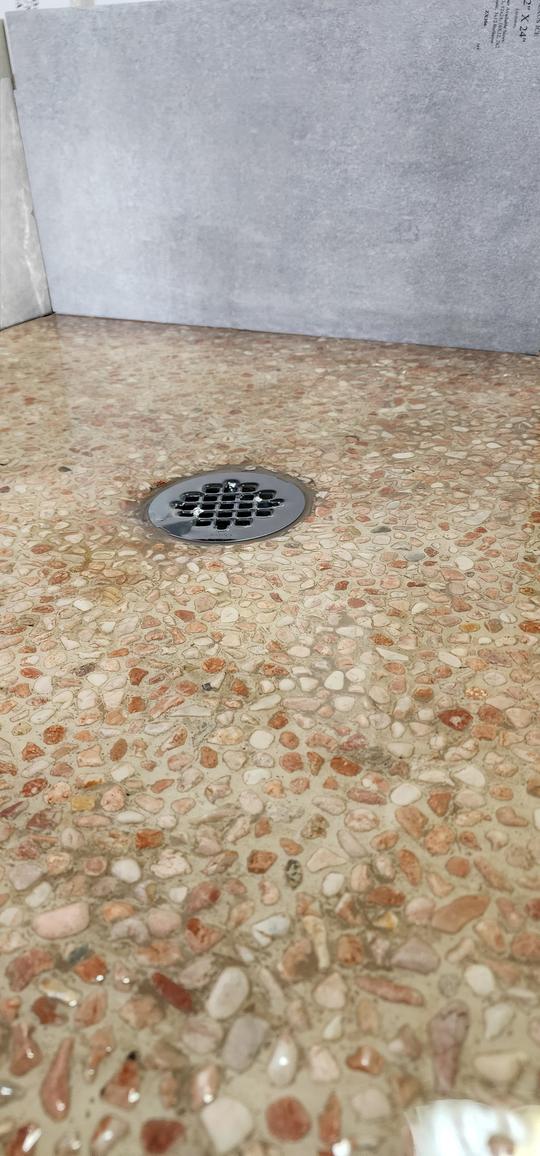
(287, 1119)
(158, 1136)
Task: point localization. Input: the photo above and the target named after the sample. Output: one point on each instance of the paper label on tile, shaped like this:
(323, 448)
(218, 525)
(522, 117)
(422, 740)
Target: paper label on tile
(508, 24)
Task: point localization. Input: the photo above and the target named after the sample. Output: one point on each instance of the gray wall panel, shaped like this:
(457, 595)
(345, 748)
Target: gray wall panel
(322, 166)
(23, 286)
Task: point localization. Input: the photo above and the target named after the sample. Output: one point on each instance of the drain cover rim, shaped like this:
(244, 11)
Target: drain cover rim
(278, 504)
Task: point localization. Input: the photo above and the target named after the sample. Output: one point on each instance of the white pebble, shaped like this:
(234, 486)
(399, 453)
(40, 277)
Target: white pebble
(229, 614)
(250, 803)
(471, 776)
(178, 894)
(127, 870)
(228, 1123)
(497, 1018)
(322, 1065)
(405, 794)
(228, 994)
(344, 703)
(255, 775)
(11, 917)
(169, 864)
(283, 1062)
(24, 875)
(334, 1028)
(261, 740)
(40, 895)
(480, 979)
(272, 928)
(371, 1104)
(332, 884)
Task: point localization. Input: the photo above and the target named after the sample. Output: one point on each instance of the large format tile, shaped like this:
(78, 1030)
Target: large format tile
(269, 815)
(347, 168)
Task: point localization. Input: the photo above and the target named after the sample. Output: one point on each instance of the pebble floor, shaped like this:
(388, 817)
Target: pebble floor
(269, 815)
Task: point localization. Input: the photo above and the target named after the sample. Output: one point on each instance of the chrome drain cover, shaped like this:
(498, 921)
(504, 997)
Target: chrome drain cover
(228, 505)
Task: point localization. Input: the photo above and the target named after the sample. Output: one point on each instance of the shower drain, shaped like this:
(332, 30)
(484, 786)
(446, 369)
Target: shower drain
(228, 505)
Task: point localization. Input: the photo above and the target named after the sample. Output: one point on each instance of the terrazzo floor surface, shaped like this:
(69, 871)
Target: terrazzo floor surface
(269, 815)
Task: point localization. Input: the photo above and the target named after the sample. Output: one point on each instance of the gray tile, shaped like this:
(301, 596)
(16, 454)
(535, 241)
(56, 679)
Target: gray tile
(23, 286)
(318, 166)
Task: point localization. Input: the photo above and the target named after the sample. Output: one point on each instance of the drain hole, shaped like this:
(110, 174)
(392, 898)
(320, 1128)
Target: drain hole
(227, 508)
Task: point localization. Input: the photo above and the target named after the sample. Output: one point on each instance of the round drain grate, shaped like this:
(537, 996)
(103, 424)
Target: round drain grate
(228, 505)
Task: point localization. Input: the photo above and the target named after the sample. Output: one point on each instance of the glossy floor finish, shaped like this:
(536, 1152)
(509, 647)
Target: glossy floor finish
(269, 814)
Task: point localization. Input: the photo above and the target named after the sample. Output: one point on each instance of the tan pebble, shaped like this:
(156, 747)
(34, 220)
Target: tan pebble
(260, 861)
(163, 921)
(366, 1059)
(24, 1052)
(122, 1089)
(91, 1010)
(323, 858)
(526, 947)
(141, 1012)
(500, 1068)
(459, 912)
(420, 911)
(55, 1089)
(393, 992)
(416, 955)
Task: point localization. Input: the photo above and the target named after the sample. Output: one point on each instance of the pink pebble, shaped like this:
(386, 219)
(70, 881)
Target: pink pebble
(62, 921)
